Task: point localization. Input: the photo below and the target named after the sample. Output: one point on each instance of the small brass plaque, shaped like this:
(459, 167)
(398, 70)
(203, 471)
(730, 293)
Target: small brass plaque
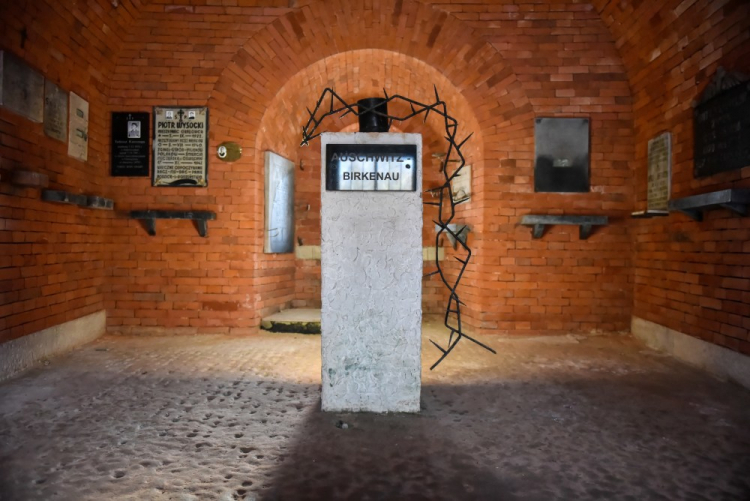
(229, 152)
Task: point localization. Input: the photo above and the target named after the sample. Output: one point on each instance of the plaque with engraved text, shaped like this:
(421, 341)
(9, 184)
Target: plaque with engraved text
(371, 167)
(659, 172)
(21, 88)
(78, 128)
(130, 134)
(55, 111)
(180, 146)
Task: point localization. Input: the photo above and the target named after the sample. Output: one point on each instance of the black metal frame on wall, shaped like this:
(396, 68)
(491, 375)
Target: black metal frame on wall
(330, 104)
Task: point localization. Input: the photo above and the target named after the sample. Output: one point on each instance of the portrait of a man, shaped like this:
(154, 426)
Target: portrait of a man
(134, 130)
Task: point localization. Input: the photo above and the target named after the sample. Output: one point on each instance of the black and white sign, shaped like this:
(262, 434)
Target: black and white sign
(130, 144)
(180, 146)
(371, 167)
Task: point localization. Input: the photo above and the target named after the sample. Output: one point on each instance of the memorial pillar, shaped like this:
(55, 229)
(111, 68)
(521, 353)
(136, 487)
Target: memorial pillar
(371, 271)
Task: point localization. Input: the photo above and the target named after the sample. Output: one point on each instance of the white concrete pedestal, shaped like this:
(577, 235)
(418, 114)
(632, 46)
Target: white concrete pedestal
(371, 270)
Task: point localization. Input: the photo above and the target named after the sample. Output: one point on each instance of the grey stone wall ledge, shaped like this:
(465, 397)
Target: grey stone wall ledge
(735, 200)
(585, 223)
(149, 217)
(86, 201)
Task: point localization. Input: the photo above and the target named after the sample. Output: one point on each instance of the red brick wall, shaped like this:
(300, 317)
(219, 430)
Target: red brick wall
(567, 65)
(257, 68)
(693, 277)
(498, 64)
(486, 59)
(52, 256)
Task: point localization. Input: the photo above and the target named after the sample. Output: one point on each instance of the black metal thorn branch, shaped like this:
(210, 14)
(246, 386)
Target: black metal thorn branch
(451, 128)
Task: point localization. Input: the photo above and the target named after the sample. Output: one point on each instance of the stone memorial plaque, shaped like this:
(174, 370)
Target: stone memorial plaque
(461, 186)
(562, 155)
(78, 128)
(130, 134)
(55, 111)
(21, 88)
(229, 151)
(279, 218)
(722, 131)
(180, 146)
(371, 167)
(659, 172)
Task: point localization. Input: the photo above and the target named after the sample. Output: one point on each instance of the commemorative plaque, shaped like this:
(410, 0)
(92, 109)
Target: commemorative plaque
(462, 186)
(561, 155)
(55, 111)
(229, 151)
(371, 167)
(722, 131)
(279, 216)
(78, 128)
(21, 88)
(180, 146)
(659, 172)
(130, 134)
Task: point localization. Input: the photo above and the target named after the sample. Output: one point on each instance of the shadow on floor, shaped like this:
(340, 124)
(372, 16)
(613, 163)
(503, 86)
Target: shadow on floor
(616, 438)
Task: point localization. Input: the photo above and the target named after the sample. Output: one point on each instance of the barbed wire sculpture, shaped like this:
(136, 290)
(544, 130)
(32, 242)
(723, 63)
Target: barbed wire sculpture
(337, 105)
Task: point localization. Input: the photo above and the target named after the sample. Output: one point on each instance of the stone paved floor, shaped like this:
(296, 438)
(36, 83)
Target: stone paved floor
(228, 418)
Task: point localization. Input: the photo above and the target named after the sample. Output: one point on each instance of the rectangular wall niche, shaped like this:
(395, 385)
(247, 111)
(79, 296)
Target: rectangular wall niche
(371, 270)
(279, 217)
(561, 155)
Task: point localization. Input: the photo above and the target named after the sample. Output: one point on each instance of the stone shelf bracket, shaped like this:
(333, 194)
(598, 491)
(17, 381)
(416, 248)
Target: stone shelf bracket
(86, 201)
(736, 200)
(149, 217)
(585, 223)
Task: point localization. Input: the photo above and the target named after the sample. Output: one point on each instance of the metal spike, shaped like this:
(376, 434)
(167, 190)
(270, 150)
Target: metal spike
(467, 138)
(437, 346)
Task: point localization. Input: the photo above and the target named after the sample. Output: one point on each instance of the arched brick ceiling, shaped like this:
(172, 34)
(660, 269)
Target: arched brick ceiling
(398, 74)
(444, 33)
(322, 29)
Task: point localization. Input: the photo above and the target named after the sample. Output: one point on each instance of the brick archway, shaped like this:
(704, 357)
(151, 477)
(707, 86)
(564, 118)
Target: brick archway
(279, 131)
(362, 50)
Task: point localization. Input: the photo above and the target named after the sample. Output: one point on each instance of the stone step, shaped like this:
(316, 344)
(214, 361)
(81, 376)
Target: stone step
(296, 320)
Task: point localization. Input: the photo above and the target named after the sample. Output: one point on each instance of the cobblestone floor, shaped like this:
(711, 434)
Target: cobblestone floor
(228, 418)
